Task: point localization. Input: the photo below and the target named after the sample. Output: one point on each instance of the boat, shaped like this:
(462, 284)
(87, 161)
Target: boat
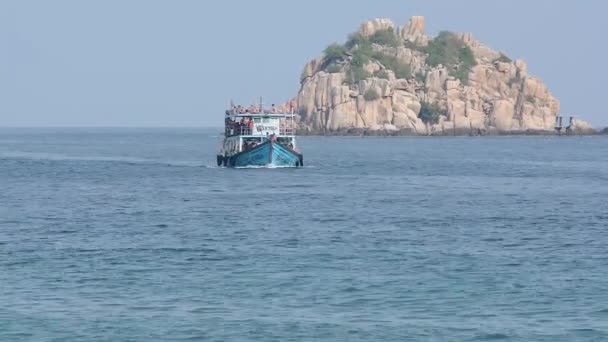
(255, 137)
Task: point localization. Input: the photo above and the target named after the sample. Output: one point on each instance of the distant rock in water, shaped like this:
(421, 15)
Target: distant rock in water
(390, 80)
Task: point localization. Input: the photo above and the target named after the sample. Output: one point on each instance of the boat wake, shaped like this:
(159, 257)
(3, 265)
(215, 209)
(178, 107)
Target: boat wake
(110, 159)
(259, 167)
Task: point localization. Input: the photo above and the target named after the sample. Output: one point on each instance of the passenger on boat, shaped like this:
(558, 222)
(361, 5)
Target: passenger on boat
(273, 109)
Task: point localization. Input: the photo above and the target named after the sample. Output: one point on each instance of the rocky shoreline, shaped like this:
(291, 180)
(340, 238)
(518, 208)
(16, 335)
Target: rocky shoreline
(458, 132)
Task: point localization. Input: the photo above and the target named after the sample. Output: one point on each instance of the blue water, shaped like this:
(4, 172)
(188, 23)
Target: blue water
(135, 235)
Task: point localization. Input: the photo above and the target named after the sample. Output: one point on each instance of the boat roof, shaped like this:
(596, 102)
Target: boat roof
(259, 115)
(250, 136)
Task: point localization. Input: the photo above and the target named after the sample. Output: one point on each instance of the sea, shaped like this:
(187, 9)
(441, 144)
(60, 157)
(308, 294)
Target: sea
(135, 234)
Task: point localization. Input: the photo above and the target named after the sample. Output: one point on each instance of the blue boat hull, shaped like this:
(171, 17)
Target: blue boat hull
(267, 154)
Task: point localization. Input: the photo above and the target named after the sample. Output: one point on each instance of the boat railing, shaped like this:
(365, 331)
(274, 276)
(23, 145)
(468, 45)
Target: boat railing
(238, 130)
(285, 127)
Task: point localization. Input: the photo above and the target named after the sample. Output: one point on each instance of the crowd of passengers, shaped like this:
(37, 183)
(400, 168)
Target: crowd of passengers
(245, 125)
(253, 109)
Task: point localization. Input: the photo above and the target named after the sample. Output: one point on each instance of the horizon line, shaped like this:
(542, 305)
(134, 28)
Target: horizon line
(84, 126)
(598, 128)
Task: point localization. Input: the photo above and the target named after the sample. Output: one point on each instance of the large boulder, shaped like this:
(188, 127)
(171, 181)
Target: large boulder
(375, 113)
(414, 31)
(502, 117)
(311, 68)
(341, 117)
(481, 52)
(382, 87)
(370, 27)
(406, 107)
(435, 84)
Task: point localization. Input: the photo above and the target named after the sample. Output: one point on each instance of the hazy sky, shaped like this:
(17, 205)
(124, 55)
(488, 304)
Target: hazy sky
(178, 63)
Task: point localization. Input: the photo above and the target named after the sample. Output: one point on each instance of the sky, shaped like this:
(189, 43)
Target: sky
(148, 63)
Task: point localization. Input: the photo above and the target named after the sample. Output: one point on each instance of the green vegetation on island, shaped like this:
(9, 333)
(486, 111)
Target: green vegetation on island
(447, 49)
(359, 51)
(430, 113)
(450, 51)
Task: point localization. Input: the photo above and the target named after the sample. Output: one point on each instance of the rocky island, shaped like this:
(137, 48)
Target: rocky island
(389, 80)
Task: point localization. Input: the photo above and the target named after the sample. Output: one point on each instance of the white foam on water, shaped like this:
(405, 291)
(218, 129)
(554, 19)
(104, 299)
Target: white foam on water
(266, 167)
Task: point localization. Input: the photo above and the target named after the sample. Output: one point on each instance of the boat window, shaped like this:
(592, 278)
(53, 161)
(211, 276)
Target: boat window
(266, 120)
(256, 120)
